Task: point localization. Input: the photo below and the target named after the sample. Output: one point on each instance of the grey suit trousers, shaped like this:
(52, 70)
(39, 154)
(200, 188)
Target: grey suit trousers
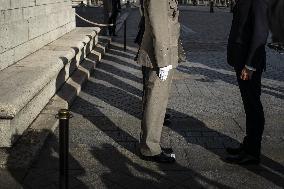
(155, 101)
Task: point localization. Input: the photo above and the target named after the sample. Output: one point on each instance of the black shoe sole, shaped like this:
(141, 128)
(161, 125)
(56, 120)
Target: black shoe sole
(152, 159)
(168, 116)
(231, 160)
(167, 122)
(158, 159)
(167, 150)
(233, 151)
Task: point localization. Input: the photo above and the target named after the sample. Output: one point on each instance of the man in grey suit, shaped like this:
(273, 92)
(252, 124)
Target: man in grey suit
(159, 55)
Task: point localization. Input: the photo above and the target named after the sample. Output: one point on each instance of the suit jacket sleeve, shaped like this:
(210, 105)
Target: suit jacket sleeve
(158, 15)
(260, 30)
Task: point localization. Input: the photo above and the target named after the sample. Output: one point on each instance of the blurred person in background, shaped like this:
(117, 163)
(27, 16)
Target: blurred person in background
(115, 9)
(276, 23)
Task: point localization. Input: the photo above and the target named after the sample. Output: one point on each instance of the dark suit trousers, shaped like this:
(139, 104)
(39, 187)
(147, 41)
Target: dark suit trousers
(112, 20)
(251, 92)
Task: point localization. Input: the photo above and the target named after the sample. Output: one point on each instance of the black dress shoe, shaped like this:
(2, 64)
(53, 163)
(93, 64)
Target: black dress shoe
(167, 150)
(167, 116)
(160, 158)
(243, 159)
(235, 151)
(167, 120)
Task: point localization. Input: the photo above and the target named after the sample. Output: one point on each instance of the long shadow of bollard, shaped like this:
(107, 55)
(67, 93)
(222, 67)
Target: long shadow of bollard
(42, 173)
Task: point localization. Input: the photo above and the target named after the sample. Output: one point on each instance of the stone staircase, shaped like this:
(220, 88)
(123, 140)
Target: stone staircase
(29, 85)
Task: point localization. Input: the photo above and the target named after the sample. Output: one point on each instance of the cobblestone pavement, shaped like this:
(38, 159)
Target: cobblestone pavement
(207, 115)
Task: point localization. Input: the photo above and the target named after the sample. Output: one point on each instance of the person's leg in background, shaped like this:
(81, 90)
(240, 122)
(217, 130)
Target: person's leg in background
(110, 28)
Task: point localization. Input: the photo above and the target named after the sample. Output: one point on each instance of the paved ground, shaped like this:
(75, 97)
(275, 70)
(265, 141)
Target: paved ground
(207, 117)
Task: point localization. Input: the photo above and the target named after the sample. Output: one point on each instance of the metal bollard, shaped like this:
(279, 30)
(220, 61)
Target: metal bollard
(211, 6)
(124, 35)
(63, 116)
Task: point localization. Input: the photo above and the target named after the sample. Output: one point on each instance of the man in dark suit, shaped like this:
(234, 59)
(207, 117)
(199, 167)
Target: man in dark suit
(246, 53)
(115, 9)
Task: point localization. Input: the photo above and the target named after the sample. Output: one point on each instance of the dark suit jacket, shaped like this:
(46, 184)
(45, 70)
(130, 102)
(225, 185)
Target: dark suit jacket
(116, 6)
(248, 36)
(276, 19)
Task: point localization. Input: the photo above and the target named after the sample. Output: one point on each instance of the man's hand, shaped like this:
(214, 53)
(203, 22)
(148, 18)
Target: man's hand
(164, 72)
(246, 74)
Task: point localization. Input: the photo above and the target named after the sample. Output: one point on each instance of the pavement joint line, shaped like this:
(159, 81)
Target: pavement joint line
(238, 124)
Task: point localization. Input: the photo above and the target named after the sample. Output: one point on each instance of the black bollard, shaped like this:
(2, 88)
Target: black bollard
(124, 35)
(63, 116)
(211, 6)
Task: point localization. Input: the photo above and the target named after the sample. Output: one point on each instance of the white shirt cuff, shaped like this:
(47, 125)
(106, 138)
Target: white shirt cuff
(250, 68)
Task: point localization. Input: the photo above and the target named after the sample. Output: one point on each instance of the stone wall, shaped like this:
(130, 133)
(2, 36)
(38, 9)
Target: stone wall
(28, 25)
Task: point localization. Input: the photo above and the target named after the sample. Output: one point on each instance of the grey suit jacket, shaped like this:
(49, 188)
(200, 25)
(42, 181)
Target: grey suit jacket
(159, 47)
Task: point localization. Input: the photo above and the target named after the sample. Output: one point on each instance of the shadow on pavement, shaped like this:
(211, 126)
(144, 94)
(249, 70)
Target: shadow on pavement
(43, 173)
(123, 99)
(268, 169)
(102, 75)
(128, 173)
(125, 170)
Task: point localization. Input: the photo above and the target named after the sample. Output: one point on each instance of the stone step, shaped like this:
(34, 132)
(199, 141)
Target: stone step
(27, 86)
(34, 137)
